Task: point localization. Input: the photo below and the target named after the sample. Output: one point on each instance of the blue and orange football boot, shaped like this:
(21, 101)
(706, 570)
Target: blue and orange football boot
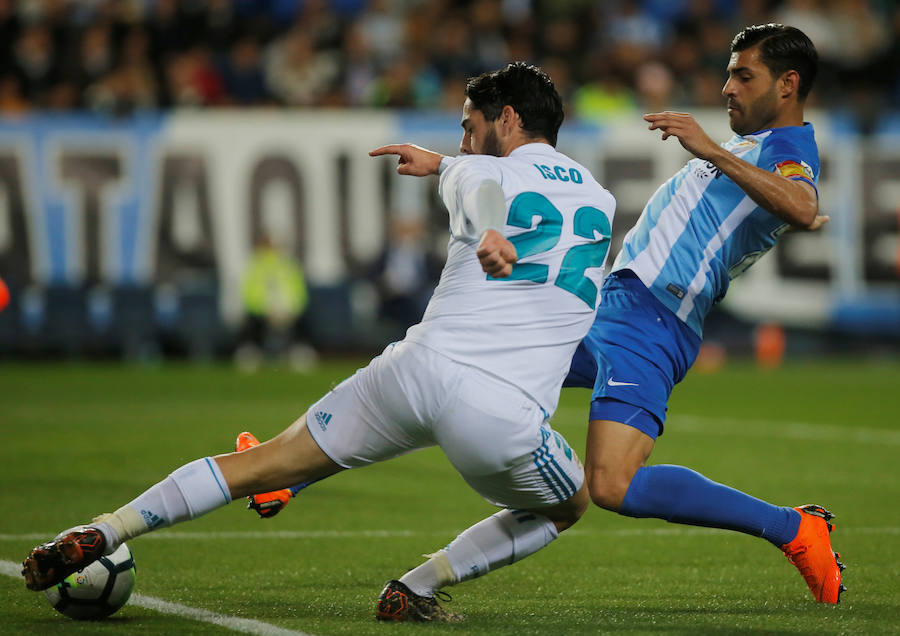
(811, 553)
(267, 504)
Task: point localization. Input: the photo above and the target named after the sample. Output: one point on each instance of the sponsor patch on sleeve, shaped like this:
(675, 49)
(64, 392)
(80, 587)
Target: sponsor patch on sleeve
(795, 170)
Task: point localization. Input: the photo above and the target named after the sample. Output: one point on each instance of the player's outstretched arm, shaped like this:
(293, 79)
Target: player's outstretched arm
(496, 254)
(795, 202)
(412, 160)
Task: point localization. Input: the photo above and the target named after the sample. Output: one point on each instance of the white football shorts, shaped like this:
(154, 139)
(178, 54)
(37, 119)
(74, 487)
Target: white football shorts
(412, 397)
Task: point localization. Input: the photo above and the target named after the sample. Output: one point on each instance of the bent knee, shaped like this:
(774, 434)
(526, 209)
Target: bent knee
(576, 514)
(567, 515)
(608, 488)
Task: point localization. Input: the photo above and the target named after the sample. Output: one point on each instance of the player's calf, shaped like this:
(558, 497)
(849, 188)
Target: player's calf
(267, 504)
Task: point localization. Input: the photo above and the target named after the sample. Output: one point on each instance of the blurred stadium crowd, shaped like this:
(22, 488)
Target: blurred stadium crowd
(608, 58)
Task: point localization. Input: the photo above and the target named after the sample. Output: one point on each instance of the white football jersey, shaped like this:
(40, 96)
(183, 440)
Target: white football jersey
(523, 329)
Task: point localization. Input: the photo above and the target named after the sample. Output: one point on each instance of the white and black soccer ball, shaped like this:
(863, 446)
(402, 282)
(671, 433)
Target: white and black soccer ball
(98, 590)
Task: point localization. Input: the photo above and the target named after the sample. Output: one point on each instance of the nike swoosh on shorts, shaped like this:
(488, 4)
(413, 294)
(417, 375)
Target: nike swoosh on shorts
(612, 382)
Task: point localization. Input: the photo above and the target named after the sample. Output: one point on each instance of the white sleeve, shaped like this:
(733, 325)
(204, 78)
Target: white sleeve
(490, 204)
(470, 187)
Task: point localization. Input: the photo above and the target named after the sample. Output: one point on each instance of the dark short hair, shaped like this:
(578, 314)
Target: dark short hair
(526, 88)
(782, 48)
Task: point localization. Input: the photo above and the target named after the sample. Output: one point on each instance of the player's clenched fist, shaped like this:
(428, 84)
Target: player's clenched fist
(496, 254)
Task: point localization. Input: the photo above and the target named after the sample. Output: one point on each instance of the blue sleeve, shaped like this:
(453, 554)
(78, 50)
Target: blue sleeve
(794, 158)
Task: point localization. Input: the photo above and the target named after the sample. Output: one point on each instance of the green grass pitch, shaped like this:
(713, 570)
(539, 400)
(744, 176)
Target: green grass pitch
(80, 439)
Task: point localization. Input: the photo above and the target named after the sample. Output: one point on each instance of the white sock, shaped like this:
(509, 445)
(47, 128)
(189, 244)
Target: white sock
(190, 491)
(501, 539)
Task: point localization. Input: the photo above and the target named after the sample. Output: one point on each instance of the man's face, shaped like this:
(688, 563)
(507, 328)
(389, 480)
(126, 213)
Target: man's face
(479, 135)
(752, 99)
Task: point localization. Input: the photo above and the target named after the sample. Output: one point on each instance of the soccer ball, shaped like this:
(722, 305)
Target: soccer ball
(98, 590)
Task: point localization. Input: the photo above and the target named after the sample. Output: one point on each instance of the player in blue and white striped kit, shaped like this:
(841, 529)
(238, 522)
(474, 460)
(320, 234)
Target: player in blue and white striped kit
(703, 227)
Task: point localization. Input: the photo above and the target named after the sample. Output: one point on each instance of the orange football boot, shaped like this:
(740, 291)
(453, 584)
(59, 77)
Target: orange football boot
(267, 504)
(811, 553)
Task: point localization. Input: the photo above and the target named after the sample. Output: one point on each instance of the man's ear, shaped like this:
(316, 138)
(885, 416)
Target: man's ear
(788, 84)
(509, 119)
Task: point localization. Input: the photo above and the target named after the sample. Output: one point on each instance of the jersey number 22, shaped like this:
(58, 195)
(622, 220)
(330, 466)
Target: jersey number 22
(545, 236)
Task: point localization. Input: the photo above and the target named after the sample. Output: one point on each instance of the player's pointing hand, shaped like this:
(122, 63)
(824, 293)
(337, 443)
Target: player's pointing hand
(412, 160)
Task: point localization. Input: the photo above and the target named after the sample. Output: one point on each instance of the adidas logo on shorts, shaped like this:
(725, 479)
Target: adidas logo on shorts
(323, 419)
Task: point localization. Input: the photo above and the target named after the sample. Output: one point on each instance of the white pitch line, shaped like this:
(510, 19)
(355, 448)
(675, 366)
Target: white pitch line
(254, 534)
(674, 530)
(243, 625)
(786, 429)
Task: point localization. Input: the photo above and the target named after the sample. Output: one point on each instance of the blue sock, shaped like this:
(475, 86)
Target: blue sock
(681, 495)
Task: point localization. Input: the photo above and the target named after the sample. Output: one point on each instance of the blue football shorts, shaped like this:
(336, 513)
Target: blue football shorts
(636, 351)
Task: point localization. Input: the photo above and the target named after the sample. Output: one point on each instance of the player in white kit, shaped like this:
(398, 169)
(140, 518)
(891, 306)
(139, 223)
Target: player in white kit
(479, 376)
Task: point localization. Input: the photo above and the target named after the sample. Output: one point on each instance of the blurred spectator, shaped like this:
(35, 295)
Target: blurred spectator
(892, 61)
(605, 95)
(359, 72)
(296, 72)
(9, 27)
(220, 27)
(863, 40)
(245, 83)
(396, 87)
(488, 44)
(95, 54)
(115, 56)
(714, 39)
(193, 80)
(318, 18)
(64, 95)
(750, 12)
(122, 92)
(405, 275)
(34, 54)
(561, 74)
(384, 29)
(12, 102)
(169, 32)
(706, 88)
(451, 51)
(655, 88)
(631, 25)
(275, 298)
(561, 38)
(811, 17)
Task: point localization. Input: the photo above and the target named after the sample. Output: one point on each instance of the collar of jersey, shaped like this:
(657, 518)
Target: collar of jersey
(534, 147)
(806, 127)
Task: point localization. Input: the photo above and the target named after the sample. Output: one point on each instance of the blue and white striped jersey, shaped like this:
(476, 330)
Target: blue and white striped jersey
(700, 230)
